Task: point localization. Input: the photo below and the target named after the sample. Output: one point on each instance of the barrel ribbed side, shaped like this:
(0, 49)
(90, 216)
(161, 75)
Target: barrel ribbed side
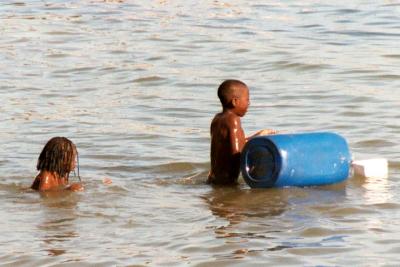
(304, 159)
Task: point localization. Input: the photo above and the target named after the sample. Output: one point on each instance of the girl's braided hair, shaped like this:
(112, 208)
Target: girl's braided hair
(57, 156)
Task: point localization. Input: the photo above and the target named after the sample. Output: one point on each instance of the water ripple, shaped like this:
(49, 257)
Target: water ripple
(134, 85)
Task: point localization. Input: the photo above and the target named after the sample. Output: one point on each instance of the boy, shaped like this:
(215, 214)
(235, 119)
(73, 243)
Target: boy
(227, 135)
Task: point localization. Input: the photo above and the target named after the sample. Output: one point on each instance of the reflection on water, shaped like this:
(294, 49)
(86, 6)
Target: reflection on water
(295, 220)
(377, 190)
(236, 204)
(374, 190)
(57, 221)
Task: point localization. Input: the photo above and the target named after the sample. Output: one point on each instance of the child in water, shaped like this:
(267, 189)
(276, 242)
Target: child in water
(227, 135)
(56, 161)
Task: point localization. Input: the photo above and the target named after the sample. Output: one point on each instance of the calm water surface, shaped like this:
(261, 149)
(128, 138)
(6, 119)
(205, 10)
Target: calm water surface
(133, 84)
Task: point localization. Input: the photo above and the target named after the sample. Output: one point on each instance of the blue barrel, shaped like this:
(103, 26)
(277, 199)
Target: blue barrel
(304, 159)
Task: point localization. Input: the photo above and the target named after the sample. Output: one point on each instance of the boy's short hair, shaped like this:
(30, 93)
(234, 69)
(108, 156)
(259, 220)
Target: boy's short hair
(227, 90)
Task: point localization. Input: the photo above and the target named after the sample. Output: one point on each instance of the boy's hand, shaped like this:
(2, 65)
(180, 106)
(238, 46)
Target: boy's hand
(267, 132)
(262, 132)
(76, 187)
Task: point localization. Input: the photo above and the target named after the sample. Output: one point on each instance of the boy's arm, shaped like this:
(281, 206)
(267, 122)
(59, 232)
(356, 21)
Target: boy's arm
(262, 132)
(236, 135)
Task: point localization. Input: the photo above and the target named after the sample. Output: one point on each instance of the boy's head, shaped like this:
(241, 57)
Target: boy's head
(234, 95)
(58, 156)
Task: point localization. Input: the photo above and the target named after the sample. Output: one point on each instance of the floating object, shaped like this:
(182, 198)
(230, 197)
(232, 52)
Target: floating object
(371, 168)
(305, 159)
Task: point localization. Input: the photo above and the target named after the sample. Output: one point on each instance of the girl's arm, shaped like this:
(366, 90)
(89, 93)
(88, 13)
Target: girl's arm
(75, 187)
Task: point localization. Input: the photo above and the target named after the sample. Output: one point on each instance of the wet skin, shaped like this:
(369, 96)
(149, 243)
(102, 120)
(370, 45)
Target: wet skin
(47, 180)
(228, 140)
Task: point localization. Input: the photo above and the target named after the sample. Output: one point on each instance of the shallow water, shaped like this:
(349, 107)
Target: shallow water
(133, 84)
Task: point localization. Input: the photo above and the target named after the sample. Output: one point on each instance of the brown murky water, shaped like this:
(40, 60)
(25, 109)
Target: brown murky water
(133, 84)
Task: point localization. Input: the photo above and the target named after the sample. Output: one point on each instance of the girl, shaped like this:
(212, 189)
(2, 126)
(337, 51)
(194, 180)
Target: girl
(57, 160)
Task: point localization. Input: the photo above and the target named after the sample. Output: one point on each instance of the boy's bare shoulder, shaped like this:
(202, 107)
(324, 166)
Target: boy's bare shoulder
(223, 124)
(226, 118)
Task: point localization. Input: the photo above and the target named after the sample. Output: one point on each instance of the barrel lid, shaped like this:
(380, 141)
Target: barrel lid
(260, 163)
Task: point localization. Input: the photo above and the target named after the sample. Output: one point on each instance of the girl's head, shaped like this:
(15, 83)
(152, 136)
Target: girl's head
(58, 156)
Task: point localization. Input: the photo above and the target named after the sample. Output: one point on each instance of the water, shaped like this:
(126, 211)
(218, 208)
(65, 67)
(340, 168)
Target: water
(133, 84)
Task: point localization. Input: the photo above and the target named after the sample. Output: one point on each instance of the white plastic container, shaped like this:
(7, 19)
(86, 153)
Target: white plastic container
(371, 168)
